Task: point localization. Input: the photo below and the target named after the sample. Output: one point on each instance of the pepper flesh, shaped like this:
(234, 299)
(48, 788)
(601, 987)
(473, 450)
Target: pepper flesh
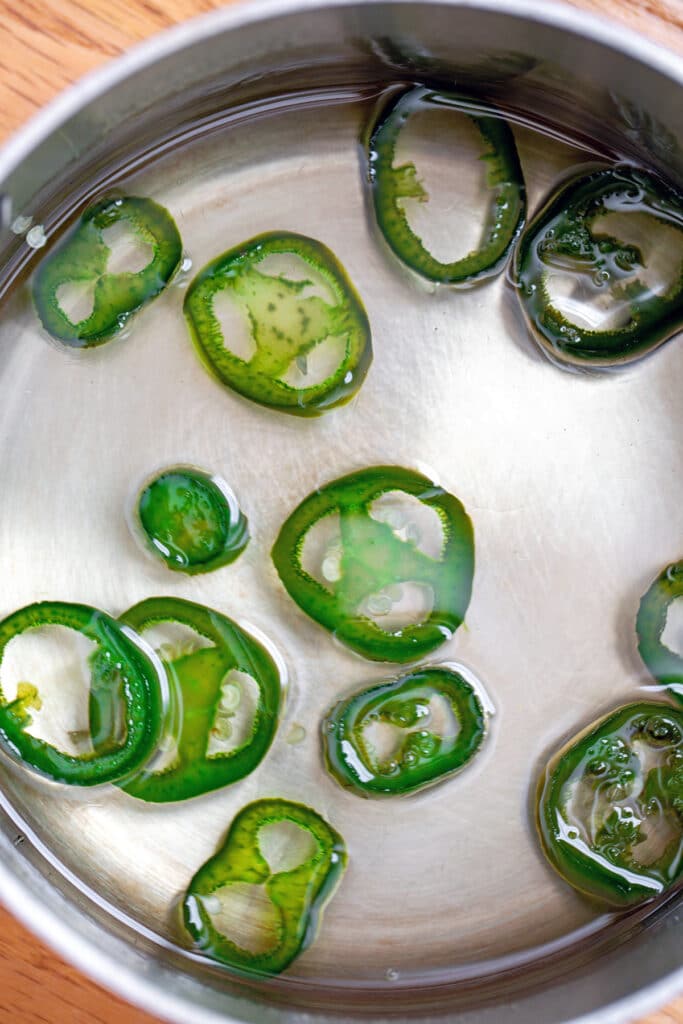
(373, 557)
(81, 258)
(503, 219)
(421, 757)
(561, 237)
(191, 521)
(299, 895)
(195, 710)
(605, 794)
(122, 676)
(665, 665)
(286, 325)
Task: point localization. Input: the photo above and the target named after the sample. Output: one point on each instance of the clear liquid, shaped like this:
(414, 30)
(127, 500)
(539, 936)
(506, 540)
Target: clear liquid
(573, 484)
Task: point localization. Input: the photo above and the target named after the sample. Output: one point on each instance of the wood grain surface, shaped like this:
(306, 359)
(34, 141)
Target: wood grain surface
(44, 46)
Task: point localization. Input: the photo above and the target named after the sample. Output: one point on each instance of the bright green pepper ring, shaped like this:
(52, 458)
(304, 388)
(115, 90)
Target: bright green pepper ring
(450, 576)
(119, 665)
(422, 757)
(502, 219)
(81, 258)
(195, 696)
(280, 338)
(664, 664)
(299, 895)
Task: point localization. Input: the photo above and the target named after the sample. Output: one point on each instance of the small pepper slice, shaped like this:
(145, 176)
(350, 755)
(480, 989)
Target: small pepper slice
(563, 237)
(191, 520)
(298, 895)
(373, 558)
(614, 787)
(503, 219)
(665, 665)
(423, 754)
(204, 700)
(122, 675)
(287, 326)
(82, 256)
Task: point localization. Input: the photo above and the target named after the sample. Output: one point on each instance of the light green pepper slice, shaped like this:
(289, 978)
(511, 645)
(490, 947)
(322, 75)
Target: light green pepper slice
(286, 325)
(82, 256)
(298, 895)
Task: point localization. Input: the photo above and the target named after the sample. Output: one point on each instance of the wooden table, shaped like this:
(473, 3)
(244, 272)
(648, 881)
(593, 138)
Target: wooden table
(44, 46)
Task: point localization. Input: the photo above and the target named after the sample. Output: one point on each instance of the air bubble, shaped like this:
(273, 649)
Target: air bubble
(222, 728)
(231, 695)
(21, 224)
(379, 604)
(331, 567)
(36, 237)
(296, 734)
(391, 974)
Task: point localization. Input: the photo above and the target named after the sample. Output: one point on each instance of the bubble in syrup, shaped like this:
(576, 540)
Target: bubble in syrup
(296, 734)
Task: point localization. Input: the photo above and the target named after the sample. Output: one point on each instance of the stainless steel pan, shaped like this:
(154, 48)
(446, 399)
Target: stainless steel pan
(532, 59)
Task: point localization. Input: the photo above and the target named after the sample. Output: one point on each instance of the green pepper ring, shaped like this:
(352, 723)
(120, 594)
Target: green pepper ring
(299, 895)
(389, 184)
(141, 690)
(665, 665)
(226, 533)
(360, 633)
(342, 729)
(650, 325)
(570, 856)
(82, 256)
(237, 373)
(243, 653)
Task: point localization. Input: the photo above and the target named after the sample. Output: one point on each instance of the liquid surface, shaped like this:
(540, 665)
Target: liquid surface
(572, 483)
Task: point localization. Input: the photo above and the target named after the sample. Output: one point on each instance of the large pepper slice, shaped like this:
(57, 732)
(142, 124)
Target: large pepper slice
(286, 325)
(205, 696)
(562, 237)
(503, 218)
(373, 557)
(298, 895)
(123, 678)
(613, 790)
(665, 665)
(191, 520)
(82, 257)
(423, 754)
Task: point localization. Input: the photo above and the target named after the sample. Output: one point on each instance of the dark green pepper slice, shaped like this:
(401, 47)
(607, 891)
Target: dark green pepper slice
(611, 805)
(373, 558)
(562, 238)
(191, 520)
(204, 699)
(122, 676)
(286, 325)
(82, 257)
(298, 895)
(665, 665)
(503, 219)
(423, 754)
